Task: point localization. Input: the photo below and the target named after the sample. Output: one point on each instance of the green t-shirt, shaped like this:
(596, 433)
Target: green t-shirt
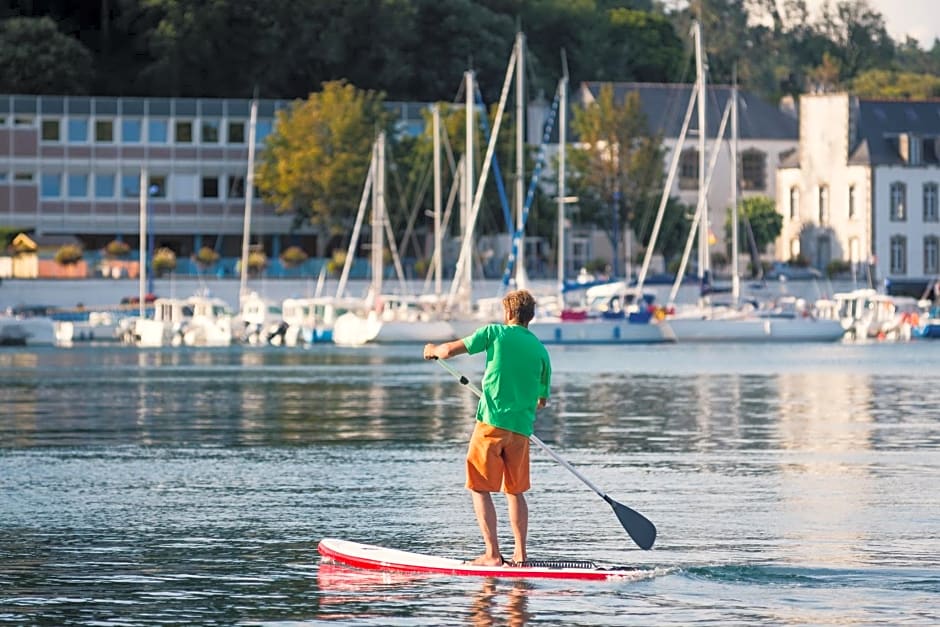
(518, 373)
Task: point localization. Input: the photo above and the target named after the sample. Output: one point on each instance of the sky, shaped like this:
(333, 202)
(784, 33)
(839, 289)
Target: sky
(918, 18)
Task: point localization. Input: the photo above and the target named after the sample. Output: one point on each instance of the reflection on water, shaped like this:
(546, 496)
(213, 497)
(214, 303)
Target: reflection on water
(792, 484)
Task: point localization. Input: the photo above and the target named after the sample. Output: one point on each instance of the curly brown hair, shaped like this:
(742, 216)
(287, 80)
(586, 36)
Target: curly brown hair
(519, 306)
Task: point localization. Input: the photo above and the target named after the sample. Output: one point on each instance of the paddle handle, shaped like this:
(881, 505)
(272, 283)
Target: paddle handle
(558, 458)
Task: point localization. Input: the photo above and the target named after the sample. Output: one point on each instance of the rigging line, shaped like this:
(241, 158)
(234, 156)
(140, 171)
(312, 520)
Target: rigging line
(497, 173)
(533, 184)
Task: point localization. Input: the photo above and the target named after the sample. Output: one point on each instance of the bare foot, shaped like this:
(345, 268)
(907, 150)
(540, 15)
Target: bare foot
(518, 561)
(488, 560)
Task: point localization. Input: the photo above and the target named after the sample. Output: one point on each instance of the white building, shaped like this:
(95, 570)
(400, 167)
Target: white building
(863, 187)
(766, 134)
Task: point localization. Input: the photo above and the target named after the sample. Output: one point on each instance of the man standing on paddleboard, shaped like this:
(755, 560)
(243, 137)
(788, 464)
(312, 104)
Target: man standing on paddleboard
(515, 384)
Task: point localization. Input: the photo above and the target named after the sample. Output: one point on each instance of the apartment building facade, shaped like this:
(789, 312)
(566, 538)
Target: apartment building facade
(862, 187)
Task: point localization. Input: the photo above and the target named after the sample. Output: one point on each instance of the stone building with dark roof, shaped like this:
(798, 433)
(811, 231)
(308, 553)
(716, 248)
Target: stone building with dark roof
(863, 187)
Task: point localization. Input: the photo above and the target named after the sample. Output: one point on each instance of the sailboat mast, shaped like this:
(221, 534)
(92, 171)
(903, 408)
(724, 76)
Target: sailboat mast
(468, 189)
(735, 279)
(438, 242)
(562, 149)
(703, 261)
(143, 255)
(249, 197)
(378, 217)
(520, 159)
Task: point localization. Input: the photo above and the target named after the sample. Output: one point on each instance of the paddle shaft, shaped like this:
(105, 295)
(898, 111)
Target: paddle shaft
(558, 458)
(640, 528)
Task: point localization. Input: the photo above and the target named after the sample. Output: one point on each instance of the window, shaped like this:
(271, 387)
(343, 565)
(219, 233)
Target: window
(157, 187)
(50, 130)
(854, 250)
(794, 203)
(22, 121)
(753, 170)
(852, 215)
(157, 132)
(104, 131)
(3, 176)
(898, 202)
(794, 248)
(50, 185)
(823, 204)
(78, 130)
(104, 186)
(210, 187)
(236, 132)
(688, 169)
(130, 131)
(262, 130)
(23, 177)
(932, 255)
(78, 185)
(210, 131)
(898, 254)
(236, 186)
(184, 132)
(930, 203)
(130, 185)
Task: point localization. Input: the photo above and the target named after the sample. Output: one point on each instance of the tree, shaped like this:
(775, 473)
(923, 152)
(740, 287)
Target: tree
(316, 160)
(759, 223)
(618, 172)
(36, 58)
(896, 85)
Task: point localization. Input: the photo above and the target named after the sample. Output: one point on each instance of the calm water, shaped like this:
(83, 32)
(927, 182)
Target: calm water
(790, 484)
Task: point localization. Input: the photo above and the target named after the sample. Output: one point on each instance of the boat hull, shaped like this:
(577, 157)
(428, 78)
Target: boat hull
(755, 329)
(600, 331)
(376, 558)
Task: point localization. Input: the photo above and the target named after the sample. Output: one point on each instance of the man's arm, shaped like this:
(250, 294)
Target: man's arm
(445, 350)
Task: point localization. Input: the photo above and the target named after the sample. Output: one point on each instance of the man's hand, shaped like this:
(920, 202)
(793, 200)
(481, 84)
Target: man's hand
(542, 403)
(429, 351)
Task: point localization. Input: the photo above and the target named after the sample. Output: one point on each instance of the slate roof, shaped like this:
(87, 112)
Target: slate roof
(881, 121)
(665, 105)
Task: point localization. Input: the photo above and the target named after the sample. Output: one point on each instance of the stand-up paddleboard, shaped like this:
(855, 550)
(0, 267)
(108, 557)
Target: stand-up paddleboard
(371, 557)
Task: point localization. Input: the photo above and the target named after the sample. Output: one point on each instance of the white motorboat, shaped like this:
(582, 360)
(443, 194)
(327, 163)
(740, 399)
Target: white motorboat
(27, 330)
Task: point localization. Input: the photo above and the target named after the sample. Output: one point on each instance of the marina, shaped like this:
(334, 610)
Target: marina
(788, 485)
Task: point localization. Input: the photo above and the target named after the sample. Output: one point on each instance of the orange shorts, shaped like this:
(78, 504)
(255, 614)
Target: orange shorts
(497, 460)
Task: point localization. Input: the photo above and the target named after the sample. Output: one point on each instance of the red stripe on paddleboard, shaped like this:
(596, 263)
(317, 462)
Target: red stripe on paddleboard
(365, 563)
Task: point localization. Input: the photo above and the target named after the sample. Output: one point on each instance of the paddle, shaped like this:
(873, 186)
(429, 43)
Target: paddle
(636, 524)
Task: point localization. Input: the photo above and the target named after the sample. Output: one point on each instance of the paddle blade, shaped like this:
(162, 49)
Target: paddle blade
(640, 528)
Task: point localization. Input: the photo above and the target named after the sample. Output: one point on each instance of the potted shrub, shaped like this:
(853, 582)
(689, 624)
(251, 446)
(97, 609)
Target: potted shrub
(117, 249)
(206, 257)
(293, 256)
(257, 261)
(335, 265)
(68, 255)
(164, 260)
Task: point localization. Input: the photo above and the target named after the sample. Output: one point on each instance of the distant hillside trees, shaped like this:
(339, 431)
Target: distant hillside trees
(36, 58)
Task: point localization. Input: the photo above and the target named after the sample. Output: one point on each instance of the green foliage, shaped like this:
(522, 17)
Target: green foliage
(206, 256)
(618, 174)
(164, 260)
(38, 59)
(68, 255)
(760, 214)
(896, 85)
(317, 158)
(293, 256)
(117, 249)
(837, 267)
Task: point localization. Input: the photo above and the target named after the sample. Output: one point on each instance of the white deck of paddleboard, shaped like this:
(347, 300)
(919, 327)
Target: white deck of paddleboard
(381, 558)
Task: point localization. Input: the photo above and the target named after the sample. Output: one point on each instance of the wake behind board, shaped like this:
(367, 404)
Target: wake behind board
(371, 557)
